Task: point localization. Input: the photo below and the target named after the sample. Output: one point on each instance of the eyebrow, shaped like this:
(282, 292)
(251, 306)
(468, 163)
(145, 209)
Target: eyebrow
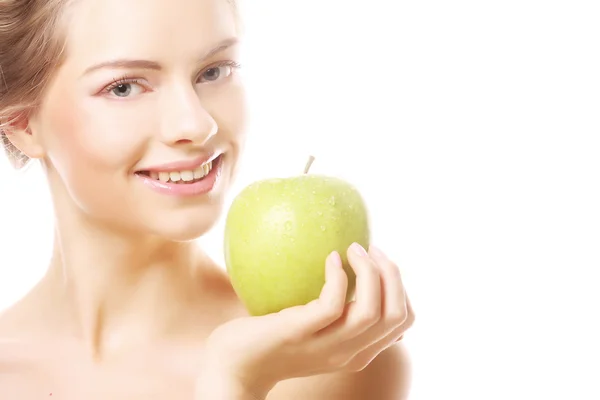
(153, 65)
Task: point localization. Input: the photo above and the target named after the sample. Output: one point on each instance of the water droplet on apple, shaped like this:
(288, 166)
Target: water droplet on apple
(323, 228)
(332, 200)
(320, 213)
(288, 225)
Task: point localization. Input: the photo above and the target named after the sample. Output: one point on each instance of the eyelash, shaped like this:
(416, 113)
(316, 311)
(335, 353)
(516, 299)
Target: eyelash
(127, 80)
(124, 80)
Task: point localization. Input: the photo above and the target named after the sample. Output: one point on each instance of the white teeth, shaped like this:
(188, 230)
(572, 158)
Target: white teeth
(187, 176)
(163, 176)
(199, 173)
(183, 176)
(175, 176)
(203, 170)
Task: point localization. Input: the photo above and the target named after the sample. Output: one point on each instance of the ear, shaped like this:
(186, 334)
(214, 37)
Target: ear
(19, 133)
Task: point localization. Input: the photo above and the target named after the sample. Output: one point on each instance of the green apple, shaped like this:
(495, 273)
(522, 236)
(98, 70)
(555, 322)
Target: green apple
(278, 233)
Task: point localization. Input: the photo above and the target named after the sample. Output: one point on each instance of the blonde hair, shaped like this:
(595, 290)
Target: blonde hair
(31, 49)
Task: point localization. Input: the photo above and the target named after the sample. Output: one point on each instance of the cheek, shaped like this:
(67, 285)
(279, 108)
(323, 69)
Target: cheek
(92, 146)
(227, 105)
(95, 135)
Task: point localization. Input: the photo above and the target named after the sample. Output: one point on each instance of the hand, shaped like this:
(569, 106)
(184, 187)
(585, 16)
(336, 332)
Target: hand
(323, 336)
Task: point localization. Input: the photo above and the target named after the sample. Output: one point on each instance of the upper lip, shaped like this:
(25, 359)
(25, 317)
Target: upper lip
(186, 165)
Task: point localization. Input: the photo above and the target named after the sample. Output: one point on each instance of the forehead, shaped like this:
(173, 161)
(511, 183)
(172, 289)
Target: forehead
(151, 29)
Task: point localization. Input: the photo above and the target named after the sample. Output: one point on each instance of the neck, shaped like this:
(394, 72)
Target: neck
(118, 292)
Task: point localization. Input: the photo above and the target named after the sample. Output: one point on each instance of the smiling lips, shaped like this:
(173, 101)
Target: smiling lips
(184, 172)
(188, 178)
(181, 177)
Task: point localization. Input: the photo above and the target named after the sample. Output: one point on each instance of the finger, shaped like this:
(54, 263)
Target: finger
(410, 318)
(322, 312)
(395, 309)
(394, 306)
(365, 310)
(365, 357)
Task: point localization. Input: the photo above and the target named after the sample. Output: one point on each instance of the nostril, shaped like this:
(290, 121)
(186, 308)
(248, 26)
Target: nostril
(184, 141)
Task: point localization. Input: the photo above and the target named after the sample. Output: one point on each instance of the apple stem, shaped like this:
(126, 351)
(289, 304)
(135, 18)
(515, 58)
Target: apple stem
(308, 164)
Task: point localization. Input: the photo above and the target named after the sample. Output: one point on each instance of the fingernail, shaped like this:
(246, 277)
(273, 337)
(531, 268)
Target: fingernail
(374, 250)
(359, 250)
(334, 259)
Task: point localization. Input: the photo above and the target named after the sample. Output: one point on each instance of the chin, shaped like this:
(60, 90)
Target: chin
(187, 226)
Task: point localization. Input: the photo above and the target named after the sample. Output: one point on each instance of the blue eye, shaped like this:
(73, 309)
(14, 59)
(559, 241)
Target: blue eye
(124, 88)
(213, 74)
(217, 72)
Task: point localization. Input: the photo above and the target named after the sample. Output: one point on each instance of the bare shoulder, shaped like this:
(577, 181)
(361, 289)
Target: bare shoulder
(14, 345)
(388, 377)
(21, 374)
(9, 321)
(19, 329)
(15, 359)
(21, 318)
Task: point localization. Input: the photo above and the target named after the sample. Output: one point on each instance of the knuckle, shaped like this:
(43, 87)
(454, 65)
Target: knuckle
(409, 320)
(397, 317)
(366, 270)
(369, 317)
(333, 311)
(394, 271)
(326, 309)
(292, 338)
(373, 273)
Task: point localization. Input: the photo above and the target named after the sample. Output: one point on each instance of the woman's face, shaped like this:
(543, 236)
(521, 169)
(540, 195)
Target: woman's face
(148, 95)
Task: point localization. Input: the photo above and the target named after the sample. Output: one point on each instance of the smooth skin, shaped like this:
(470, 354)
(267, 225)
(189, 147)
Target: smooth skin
(130, 307)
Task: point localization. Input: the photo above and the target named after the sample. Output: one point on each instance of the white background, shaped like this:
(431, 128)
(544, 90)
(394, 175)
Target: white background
(471, 127)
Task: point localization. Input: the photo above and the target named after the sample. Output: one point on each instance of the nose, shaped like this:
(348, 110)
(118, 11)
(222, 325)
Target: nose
(186, 120)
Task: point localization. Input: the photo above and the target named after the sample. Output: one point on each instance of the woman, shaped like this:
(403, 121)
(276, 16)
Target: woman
(136, 112)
